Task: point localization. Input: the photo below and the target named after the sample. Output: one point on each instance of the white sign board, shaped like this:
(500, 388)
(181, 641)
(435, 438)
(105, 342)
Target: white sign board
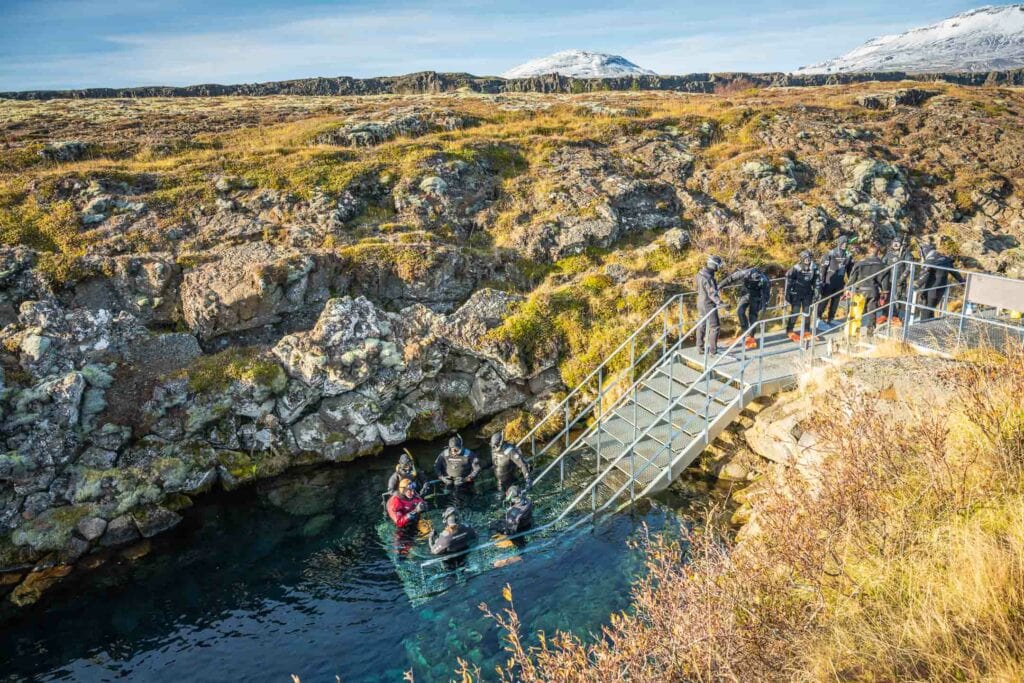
(991, 290)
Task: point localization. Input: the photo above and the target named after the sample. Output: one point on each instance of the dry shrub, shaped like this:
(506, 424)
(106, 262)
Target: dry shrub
(901, 557)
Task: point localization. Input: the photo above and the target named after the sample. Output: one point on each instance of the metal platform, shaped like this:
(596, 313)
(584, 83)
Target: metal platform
(653, 405)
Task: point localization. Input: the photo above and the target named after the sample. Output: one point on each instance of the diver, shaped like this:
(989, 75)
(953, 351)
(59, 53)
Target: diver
(708, 302)
(868, 281)
(899, 250)
(518, 512)
(457, 465)
(504, 455)
(753, 300)
(405, 469)
(834, 269)
(801, 290)
(933, 281)
(454, 538)
(404, 508)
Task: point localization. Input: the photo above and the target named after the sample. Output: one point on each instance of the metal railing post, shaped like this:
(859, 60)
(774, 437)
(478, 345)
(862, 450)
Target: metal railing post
(910, 302)
(760, 357)
(632, 475)
(960, 324)
(632, 359)
(894, 282)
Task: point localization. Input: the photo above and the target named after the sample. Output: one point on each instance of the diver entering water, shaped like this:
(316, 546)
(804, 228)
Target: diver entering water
(456, 465)
(518, 512)
(405, 506)
(455, 537)
(753, 300)
(405, 469)
(504, 455)
(802, 282)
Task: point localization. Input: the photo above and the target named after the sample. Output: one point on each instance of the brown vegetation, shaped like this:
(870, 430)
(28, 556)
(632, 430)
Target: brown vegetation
(902, 558)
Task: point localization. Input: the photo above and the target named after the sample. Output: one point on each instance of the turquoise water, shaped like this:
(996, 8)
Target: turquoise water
(245, 590)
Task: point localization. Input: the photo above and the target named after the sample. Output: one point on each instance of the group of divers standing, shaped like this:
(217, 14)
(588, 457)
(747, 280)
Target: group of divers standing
(456, 469)
(862, 269)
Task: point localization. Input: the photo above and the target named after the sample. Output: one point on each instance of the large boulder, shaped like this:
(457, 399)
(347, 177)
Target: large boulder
(245, 287)
(350, 342)
(467, 330)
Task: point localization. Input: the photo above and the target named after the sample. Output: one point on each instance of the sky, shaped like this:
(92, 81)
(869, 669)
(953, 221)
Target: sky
(60, 44)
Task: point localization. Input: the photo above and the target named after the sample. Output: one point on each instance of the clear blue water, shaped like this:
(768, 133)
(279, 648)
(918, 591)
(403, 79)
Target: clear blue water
(245, 590)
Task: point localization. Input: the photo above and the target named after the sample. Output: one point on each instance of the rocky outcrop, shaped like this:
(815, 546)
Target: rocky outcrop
(433, 82)
(595, 200)
(246, 287)
(909, 97)
(406, 122)
(111, 427)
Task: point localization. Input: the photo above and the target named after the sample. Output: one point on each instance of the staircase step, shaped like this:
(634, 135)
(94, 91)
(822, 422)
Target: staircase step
(693, 397)
(685, 375)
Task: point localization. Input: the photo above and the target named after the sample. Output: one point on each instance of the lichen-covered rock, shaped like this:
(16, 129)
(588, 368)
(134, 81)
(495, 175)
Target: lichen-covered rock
(447, 194)
(120, 530)
(404, 121)
(594, 202)
(467, 330)
(350, 341)
(146, 285)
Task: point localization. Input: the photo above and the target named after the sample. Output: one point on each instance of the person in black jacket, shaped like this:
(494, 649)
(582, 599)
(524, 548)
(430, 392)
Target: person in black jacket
(454, 538)
(899, 250)
(457, 465)
(708, 301)
(867, 279)
(834, 269)
(753, 299)
(933, 282)
(801, 289)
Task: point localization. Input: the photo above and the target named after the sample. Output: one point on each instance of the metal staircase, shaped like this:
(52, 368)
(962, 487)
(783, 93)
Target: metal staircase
(653, 405)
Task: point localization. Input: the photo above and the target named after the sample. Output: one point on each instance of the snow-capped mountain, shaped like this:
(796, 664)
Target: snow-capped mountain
(985, 39)
(578, 63)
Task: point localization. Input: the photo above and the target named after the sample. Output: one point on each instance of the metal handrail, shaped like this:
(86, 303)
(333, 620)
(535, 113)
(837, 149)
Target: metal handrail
(703, 377)
(562, 406)
(617, 403)
(677, 403)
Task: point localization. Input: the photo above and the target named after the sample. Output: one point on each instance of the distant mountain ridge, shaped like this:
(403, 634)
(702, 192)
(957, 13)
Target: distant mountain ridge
(427, 82)
(578, 64)
(981, 40)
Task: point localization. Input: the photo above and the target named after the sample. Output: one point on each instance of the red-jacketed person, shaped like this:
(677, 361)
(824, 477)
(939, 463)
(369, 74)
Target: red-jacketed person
(404, 507)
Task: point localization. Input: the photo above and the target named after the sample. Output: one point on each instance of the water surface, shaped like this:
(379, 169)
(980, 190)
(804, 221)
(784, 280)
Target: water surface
(246, 590)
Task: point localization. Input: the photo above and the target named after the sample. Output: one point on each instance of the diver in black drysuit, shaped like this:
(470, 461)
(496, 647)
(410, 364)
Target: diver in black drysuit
(753, 300)
(405, 469)
(518, 512)
(454, 538)
(933, 282)
(457, 465)
(802, 282)
(504, 455)
(834, 269)
(708, 301)
(899, 250)
(866, 280)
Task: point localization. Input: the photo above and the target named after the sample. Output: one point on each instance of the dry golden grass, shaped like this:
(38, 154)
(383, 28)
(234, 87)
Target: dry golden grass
(902, 560)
